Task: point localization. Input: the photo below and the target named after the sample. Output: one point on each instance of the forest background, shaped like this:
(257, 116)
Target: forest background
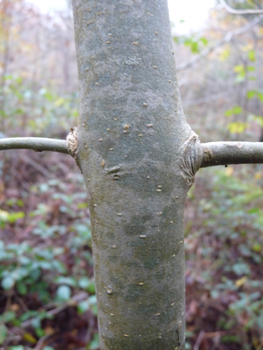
(47, 294)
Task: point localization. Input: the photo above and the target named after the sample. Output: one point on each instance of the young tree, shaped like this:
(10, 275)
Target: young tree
(139, 157)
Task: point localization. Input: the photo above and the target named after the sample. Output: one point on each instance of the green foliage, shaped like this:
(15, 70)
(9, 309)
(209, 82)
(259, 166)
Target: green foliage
(9, 217)
(37, 110)
(235, 110)
(252, 55)
(94, 344)
(52, 265)
(243, 76)
(22, 266)
(194, 42)
(42, 271)
(231, 221)
(237, 127)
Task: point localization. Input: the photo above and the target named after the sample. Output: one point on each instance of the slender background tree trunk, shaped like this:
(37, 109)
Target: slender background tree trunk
(133, 139)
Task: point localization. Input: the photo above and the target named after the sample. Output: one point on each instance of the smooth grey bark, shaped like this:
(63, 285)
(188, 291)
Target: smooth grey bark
(210, 153)
(132, 140)
(139, 157)
(224, 153)
(38, 144)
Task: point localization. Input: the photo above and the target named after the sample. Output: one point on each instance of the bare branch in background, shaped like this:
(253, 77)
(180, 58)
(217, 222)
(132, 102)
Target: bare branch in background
(239, 12)
(208, 98)
(227, 38)
(73, 302)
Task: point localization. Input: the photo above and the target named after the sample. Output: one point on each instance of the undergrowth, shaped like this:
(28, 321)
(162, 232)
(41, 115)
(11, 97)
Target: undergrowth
(47, 293)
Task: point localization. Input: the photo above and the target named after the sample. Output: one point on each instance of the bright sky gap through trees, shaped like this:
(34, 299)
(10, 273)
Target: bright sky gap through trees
(186, 16)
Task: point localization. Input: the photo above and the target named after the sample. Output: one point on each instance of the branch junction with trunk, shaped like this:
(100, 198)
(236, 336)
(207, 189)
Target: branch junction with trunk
(138, 156)
(210, 153)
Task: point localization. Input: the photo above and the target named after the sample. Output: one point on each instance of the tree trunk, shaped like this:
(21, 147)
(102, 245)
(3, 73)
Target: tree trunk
(138, 156)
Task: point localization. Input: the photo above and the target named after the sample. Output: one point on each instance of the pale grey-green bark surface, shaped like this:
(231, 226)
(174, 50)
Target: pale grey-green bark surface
(210, 153)
(35, 143)
(132, 137)
(139, 157)
(226, 152)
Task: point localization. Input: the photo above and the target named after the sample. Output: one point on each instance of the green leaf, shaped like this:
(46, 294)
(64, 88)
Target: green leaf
(70, 281)
(45, 265)
(9, 316)
(225, 54)
(21, 287)
(3, 333)
(43, 187)
(234, 110)
(10, 217)
(195, 47)
(250, 68)
(15, 216)
(63, 292)
(251, 94)
(83, 306)
(4, 215)
(240, 78)
(237, 127)
(241, 268)
(230, 339)
(84, 282)
(94, 344)
(260, 95)
(82, 205)
(8, 282)
(257, 247)
(252, 56)
(204, 40)
(239, 68)
(48, 96)
(36, 322)
(40, 332)
(93, 303)
(258, 119)
(59, 266)
(58, 250)
(91, 287)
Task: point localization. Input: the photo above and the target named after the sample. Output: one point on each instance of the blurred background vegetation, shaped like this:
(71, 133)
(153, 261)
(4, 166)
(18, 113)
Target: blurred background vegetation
(47, 296)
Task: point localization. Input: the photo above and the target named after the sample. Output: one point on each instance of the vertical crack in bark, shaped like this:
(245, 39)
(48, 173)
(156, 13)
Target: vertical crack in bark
(191, 158)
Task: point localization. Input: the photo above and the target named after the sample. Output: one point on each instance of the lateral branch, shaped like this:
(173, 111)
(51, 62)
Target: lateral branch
(224, 153)
(37, 144)
(214, 153)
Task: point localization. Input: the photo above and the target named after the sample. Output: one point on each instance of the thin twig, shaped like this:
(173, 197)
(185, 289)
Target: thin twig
(42, 341)
(199, 340)
(72, 302)
(239, 12)
(208, 98)
(37, 166)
